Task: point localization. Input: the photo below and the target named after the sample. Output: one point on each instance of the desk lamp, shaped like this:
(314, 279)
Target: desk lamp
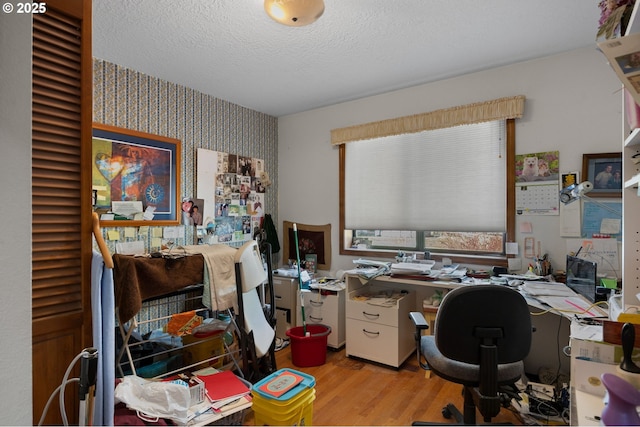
(573, 192)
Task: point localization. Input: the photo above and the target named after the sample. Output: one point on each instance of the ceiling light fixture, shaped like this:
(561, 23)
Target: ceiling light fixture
(294, 13)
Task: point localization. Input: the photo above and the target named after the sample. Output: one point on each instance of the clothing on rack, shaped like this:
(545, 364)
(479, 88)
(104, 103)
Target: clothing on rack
(219, 277)
(139, 278)
(272, 234)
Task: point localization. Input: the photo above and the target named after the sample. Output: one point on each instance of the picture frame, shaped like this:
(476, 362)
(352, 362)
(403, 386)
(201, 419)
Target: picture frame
(132, 168)
(604, 171)
(312, 239)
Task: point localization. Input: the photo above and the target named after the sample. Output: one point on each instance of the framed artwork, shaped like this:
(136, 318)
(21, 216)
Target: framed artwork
(135, 177)
(604, 171)
(312, 239)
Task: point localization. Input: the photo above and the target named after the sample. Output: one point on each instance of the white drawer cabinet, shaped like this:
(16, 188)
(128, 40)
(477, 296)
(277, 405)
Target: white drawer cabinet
(380, 333)
(285, 291)
(327, 308)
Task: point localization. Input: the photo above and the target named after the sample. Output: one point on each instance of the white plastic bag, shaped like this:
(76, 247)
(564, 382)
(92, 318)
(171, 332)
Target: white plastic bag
(154, 399)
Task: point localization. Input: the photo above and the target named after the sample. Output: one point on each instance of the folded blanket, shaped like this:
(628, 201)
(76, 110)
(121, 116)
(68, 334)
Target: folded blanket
(140, 278)
(219, 276)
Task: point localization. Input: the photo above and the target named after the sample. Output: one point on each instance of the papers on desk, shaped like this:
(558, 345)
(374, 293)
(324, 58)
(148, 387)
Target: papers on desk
(331, 285)
(562, 298)
(368, 269)
(528, 276)
(585, 331)
(286, 272)
(547, 289)
(452, 272)
(411, 268)
(573, 306)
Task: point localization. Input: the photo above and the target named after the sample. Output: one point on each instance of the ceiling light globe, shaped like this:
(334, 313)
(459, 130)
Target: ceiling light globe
(294, 13)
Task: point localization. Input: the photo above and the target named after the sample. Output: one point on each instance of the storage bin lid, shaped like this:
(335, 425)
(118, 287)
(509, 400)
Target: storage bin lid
(281, 380)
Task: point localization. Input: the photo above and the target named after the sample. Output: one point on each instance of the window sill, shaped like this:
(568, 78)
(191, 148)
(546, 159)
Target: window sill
(464, 259)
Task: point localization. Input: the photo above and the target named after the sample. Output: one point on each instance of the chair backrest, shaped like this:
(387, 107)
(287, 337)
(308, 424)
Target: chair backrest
(252, 272)
(467, 308)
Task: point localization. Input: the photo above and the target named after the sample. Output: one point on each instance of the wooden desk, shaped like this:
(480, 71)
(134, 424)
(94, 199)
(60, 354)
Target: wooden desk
(551, 336)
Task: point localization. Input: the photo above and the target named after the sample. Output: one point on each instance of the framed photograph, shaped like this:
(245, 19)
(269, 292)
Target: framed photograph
(136, 177)
(311, 262)
(312, 239)
(604, 171)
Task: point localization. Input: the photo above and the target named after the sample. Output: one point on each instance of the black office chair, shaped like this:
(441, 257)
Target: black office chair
(482, 334)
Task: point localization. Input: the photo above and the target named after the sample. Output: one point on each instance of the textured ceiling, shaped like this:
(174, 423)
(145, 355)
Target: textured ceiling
(232, 50)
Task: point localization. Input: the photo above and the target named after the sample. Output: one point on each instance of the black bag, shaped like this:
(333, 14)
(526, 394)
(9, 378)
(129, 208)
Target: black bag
(272, 234)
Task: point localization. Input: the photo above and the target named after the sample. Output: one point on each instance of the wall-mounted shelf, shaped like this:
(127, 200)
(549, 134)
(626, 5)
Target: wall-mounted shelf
(630, 200)
(633, 138)
(633, 182)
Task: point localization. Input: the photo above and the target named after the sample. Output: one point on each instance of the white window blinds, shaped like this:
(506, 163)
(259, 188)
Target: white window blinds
(450, 179)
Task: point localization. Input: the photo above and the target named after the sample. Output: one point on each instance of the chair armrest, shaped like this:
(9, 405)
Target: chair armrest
(419, 320)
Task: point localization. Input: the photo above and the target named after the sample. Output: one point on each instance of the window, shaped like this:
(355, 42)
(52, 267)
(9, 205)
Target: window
(444, 189)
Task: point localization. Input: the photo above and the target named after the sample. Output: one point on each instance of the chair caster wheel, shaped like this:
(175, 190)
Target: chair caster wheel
(446, 412)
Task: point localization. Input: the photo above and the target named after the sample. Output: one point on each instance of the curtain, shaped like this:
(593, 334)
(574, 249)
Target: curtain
(487, 111)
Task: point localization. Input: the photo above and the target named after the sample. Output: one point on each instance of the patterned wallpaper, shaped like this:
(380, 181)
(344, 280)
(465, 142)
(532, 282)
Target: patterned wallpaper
(129, 99)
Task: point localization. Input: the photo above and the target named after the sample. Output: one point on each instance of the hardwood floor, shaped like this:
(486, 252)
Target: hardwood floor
(354, 392)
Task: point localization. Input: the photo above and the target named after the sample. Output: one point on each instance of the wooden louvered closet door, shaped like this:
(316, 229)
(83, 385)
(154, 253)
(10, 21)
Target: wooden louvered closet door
(61, 206)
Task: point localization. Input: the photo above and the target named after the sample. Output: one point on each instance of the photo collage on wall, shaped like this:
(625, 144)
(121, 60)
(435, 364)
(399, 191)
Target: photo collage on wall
(236, 206)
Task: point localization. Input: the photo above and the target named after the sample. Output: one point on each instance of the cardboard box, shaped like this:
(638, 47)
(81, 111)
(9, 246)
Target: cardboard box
(595, 351)
(585, 375)
(600, 351)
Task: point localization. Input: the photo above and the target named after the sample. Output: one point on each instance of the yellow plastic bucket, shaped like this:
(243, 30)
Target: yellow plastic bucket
(277, 401)
(297, 411)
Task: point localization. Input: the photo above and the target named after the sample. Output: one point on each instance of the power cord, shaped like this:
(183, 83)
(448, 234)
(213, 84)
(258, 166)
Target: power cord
(86, 353)
(546, 406)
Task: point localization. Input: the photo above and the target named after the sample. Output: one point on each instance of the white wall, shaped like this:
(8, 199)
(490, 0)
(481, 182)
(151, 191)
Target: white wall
(573, 105)
(15, 226)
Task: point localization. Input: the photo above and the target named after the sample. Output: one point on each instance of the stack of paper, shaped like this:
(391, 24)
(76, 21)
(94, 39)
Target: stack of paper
(410, 268)
(537, 289)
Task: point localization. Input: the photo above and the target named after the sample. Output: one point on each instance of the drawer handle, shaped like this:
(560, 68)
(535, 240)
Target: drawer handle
(277, 297)
(375, 315)
(315, 319)
(369, 332)
(316, 303)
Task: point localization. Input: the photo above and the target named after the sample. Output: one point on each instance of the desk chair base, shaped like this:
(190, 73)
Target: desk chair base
(451, 411)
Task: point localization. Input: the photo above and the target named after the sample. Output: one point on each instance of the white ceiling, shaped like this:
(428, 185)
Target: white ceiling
(232, 50)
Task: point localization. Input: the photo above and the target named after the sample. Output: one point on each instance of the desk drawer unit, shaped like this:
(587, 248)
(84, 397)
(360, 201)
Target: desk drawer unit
(382, 334)
(327, 309)
(285, 290)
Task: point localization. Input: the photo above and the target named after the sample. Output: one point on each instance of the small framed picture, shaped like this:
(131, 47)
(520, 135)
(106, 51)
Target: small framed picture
(604, 171)
(312, 262)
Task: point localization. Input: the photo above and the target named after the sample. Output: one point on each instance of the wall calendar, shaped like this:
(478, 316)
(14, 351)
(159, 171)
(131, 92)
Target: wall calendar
(537, 185)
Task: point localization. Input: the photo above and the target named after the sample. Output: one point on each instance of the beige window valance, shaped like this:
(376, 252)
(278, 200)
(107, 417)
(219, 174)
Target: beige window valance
(497, 109)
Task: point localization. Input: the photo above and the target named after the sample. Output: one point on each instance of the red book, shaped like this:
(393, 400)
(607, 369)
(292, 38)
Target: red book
(223, 385)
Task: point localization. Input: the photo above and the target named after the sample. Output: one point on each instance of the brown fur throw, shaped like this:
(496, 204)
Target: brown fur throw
(139, 278)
